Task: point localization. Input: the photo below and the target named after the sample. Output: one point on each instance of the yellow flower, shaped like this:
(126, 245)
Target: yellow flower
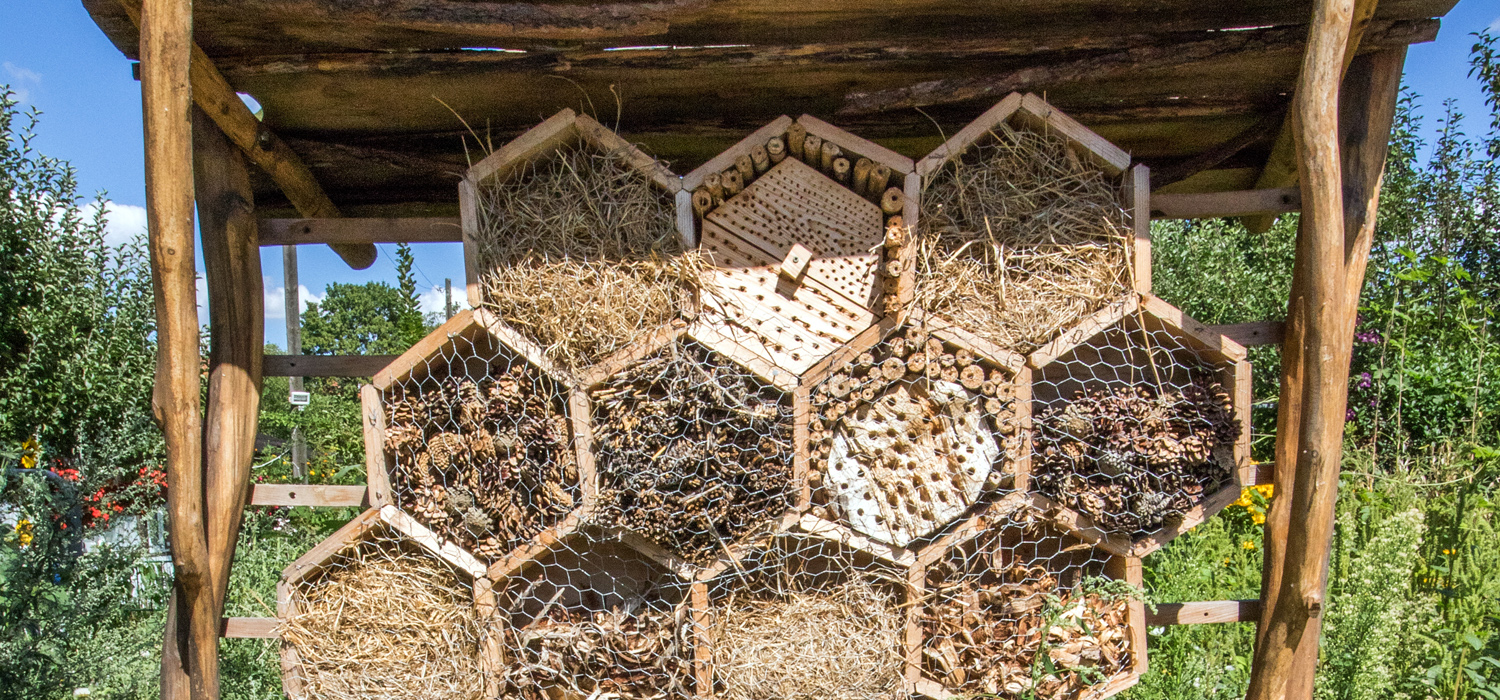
(24, 531)
(1266, 490)
(1247, 545)
(1258, 518)
(29, 450)
(1448, 552)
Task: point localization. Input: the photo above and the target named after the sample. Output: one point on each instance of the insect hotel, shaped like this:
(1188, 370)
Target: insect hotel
(811, 350)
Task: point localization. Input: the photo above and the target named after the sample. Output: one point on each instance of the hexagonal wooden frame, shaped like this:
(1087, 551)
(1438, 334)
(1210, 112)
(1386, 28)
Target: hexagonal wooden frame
(363, 528)
(1031, 113)
(772, 376)
(998, 514)
(474, 326)
(1017, 446)
(1234, 374)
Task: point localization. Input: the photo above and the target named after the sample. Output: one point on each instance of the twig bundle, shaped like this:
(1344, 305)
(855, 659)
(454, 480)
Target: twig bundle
(386, 622)
(625, 654)
(694, 451)
(1136, 458)
(1020, 239)
(580, 254)
(486, 464)
(842, 644)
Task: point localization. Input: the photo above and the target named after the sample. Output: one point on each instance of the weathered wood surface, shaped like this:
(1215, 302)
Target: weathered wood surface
(1209, 205)
(308, 495)
(249, 628)
(430, 229)
(1204, 612)
(325, 365)
(1254, 333)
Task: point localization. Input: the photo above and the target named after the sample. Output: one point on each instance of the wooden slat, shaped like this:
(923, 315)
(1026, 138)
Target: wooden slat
(1254, 333)
(308, 495)
(249, 628)
(1212, 205)
(1204, 612)
(437, 229)
(325, 365)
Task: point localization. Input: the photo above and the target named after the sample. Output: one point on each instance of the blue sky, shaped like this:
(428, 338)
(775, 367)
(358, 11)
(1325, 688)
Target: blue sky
(56, 60)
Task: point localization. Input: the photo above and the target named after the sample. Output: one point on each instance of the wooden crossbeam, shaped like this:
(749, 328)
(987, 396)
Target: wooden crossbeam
(1204, 612)
(1210, 205)
(314, 495)
(1254, 333)
(324, 365)
(248, 627)
(341, 231)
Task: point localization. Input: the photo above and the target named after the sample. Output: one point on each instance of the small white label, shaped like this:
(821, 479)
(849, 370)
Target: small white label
(300, 398)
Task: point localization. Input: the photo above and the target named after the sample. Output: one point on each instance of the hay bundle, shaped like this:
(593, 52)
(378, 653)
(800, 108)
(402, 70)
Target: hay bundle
(1019, 239)
(625, 654)
(580, 254)
(386, 621)
(843, 644)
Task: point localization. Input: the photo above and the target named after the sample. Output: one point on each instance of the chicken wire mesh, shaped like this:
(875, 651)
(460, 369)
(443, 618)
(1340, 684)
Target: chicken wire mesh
(1134, 427)
(480, 446)
(382, 618)
(592, 617)
(1014, 608)
(692, 451)
(911, 433)
(806, 617)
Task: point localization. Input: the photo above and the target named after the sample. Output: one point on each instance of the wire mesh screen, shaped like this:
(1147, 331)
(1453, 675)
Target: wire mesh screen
(693, 451)
(480, 446)
(593, 617)
(1134, 427)
(1017, 609)
(806, 617)
(910, 434)
(385, 619)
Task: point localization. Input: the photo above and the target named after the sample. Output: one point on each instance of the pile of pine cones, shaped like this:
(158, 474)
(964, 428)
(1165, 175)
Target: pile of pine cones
(693, 451)
(486, 464)
(626, 654)
(1133, 459)
(984, 633)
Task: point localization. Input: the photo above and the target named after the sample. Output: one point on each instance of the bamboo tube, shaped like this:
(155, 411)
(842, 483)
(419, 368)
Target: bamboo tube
(829, 152)
(796, 136)
(880, 176)
(812, 150)
(893, 201)
(862, 176)
(761, 159)
(841, 169)
(895, 231)
(733, 183)
(714, 183)
(703, 201)
(776, 149)
(745, 167)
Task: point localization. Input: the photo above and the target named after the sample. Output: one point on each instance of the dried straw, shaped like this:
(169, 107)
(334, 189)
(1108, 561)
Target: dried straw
(840, 645)
(1019, 239)
(387, 622)
(580, 254)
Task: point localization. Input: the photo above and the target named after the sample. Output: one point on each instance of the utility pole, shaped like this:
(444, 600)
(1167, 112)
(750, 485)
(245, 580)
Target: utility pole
(447, 298)
(294, 347)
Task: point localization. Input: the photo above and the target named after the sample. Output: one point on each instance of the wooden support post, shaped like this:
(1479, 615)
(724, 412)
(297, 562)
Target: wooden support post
(231, 261)
(1340, 190)
(292, 303)
(190, 655)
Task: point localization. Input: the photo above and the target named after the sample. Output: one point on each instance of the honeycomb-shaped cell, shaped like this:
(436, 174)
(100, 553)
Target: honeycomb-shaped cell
(382, 608)
(907, 433)
(591, 614)
(692, 450)
(1029, 224)
(469, 432)
(802, 615)
(1141, 422)
(571, 238)
(1011, 607)
(797, 236)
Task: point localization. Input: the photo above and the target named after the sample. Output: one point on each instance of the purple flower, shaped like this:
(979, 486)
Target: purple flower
(1365, 380)
(1349, 415)
(1368, 337)
(1374, 403)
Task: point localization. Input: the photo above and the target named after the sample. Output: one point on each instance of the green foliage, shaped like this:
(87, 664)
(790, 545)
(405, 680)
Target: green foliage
(373, 318)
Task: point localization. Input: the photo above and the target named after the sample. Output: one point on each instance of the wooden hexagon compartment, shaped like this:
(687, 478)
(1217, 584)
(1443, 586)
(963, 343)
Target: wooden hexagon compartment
(1012, 607)
(1030, 223)
(1140, 425)
(383, 608)
(571, 238)
(591, 613)
(910, 427)
(469, 432)
(693, 450)
(800, 615)
(799, 247)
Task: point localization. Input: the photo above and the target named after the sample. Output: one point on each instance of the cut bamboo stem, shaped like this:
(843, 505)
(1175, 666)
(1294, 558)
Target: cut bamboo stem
(893, 201)
(862, 168)
(745, 167)
(880, 178)
(776, 149)
(796, 138)
(812, 150)
(841, 169)
(703, 201)
(830, 151)
(761, 159)
(734, 183)
(714, 183)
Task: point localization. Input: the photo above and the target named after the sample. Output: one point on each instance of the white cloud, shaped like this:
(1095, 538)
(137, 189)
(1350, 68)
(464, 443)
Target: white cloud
(432, 300)
(19, 79)
(202, 301)
(275, 299)
(123, 222)
(1495, 25)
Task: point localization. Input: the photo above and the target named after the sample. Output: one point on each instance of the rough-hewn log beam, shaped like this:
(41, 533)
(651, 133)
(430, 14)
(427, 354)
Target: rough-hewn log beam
(216, 98)
(277, 232)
